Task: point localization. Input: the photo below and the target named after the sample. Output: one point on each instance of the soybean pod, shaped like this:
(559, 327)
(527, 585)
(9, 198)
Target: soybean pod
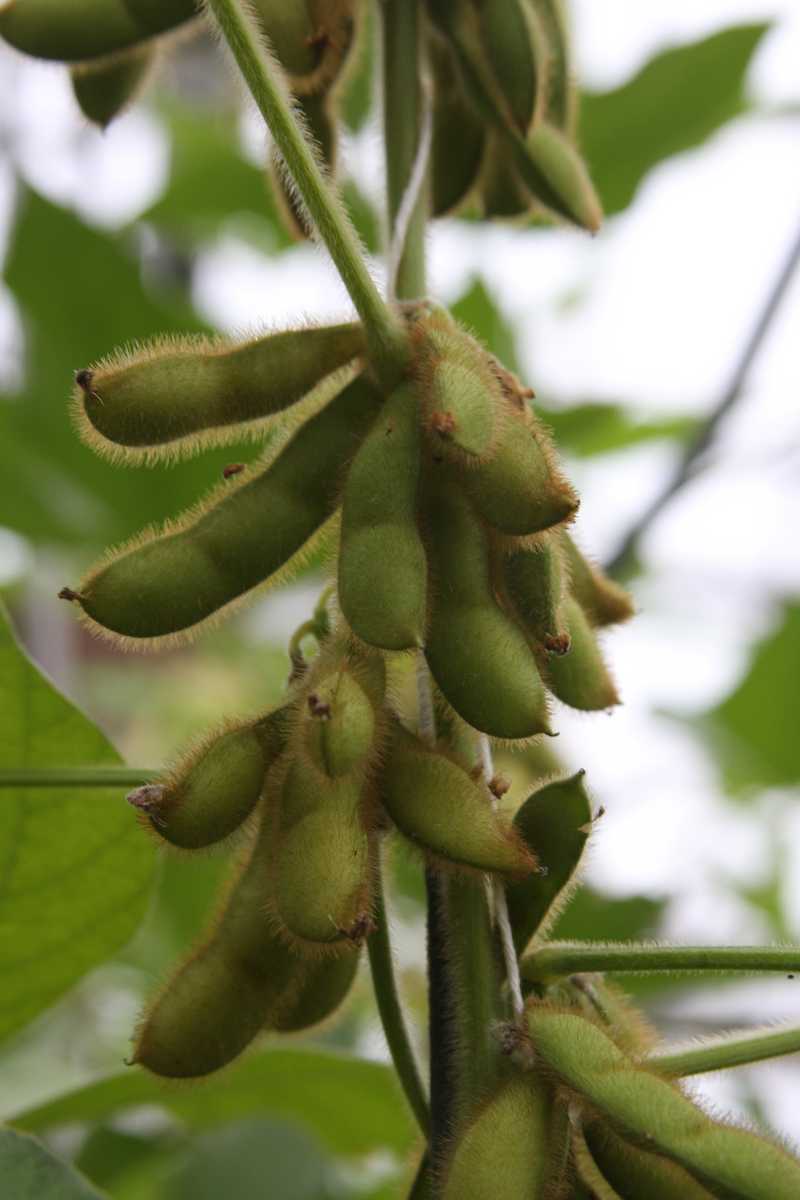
(103, 88)
(74, 30)
(176, 580)
(382, 564)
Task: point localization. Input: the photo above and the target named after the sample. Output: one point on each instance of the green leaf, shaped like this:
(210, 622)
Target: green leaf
(591, 916)
(75, 869)
(754, 732)
(676, 101)
(29, 1172)
(254, 1160)
(353, 1106)
(587, 429)
(479, 313)
(81, 294)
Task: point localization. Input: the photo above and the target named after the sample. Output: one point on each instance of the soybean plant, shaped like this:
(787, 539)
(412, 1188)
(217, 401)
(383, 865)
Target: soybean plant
(450, 511)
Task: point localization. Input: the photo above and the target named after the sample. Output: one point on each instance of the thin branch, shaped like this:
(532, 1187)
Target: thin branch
(73, 777)
(727, 1052)
(558, 960)
(386, 337)
(392, 1018)
(689, 465)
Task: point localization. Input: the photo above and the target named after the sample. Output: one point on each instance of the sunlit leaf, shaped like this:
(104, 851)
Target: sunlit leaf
(75, 869)
(589, 429)
(676, 101)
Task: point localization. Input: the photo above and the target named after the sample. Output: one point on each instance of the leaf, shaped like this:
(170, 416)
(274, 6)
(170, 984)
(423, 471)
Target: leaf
(254, 1160)
(587, 429)
(675, 102)
(754, 732)
(353, 1106)
(591, 916)
(481, 316)
(29, 1172)
(81, 294)
(75, 869)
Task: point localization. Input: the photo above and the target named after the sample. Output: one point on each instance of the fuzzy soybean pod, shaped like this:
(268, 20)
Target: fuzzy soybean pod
(310, 38)
(165, 398)
(214, 789)
(559, 107)
(507, 1151)
(74, 30)
(382, 566)
(553, 170)
(343, 709)
(500, 49)
(458, 133)
(580, 678)
(602, 600)
(461, 395)
(650, 1111)
(105, 87)
(316, 990)
(519, 488)
(441, 809)
(477, 655)
(537, 587)
(179, 578)
(322, 866)
(223, 995)
(635, 1174)
(554, 822)
(501, 191)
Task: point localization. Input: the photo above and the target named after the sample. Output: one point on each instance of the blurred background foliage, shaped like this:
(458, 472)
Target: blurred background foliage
(313, 1117)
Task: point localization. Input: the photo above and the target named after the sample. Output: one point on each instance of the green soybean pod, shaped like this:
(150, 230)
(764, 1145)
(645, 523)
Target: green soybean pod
(165, 399)
(553, 170)
(316, 991)
(477, 655)
(222, 996)
(553, 821)
(501, 190)
(505, 1152)
(344, 709)
(173, 581)
(651, 1111)
(461, 395)
(559, 107)
(439, 807)
(74, 30)
(323, 859)
(602, 600)
(635, 1173)
(310, 38)
(458, 132)
(382, 566)
(215, 787)
(581, 679)
(103, 88)
(537, 587)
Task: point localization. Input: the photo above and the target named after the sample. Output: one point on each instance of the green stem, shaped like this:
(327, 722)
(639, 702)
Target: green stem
(391, 1013)
(402, 106)
(729, 1052)
(386, 337)
(558, 960)
(104, 777)
(421, 1187)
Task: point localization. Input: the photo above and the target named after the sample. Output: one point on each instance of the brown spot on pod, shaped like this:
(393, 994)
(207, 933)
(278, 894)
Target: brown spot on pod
(69, 594)
(360, 929)
(443, 423)
(233, 469)
(556, 645)
(319, 708)
(499, 785)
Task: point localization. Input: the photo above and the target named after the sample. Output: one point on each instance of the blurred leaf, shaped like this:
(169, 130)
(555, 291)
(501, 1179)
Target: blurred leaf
(109, 1157)
(81, 294)
(597, 428)
(353, 1106)
(754, 733)
(590, 916)
(354, 96)
(29, 1172)
(479, 313)
(675, 102)
(254, 1160)
(76, 869)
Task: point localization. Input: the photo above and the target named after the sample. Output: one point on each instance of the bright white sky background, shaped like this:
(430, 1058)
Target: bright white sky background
(651, 313)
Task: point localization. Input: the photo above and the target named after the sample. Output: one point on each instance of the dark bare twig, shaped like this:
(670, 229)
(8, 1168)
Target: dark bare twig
(690, 465)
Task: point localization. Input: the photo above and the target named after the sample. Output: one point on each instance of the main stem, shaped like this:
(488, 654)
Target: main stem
(385, 335)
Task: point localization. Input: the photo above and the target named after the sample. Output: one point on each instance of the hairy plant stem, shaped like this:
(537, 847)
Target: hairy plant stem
(386, 338)
(391, 1013)
(726, 1052)
(557, 960)
(100, 777)
(421, 1187)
